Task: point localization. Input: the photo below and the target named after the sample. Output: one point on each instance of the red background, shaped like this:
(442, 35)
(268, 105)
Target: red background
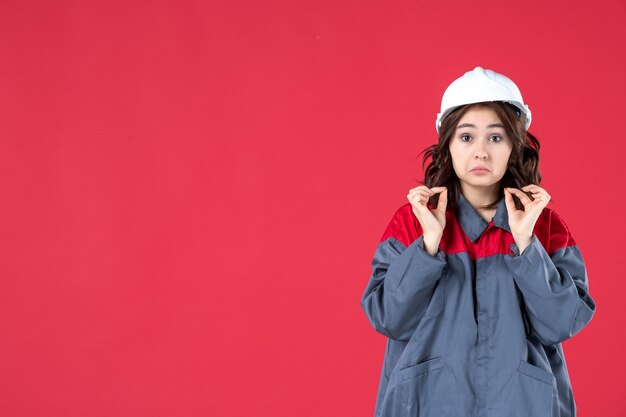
(192, 191)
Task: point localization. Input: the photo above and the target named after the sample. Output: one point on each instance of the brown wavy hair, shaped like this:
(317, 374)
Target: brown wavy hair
(523, 166)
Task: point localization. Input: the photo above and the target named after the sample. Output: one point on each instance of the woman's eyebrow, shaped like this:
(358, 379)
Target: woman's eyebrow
(500, 125)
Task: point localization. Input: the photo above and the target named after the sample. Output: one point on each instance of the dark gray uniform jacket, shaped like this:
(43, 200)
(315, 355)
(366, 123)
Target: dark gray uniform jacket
(476, 330)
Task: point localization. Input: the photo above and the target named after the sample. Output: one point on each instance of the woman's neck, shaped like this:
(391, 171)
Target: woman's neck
(478, 199)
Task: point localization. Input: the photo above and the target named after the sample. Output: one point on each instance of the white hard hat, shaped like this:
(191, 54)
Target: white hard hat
(481, 85)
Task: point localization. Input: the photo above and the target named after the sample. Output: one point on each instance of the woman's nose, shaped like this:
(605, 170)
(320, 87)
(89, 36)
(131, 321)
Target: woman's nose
(479, 152)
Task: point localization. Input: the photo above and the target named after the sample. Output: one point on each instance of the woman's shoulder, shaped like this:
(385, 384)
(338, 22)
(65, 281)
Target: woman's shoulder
(404, 226)
(552, 230)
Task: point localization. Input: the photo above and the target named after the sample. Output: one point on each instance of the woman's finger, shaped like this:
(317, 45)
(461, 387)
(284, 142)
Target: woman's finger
(420, 193)
(430, 190)
(416, 198)
(535, 189)
(438, 189)
(521, 195)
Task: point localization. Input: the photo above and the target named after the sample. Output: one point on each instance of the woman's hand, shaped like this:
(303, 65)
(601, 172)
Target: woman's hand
(522, 222)
(432, 221)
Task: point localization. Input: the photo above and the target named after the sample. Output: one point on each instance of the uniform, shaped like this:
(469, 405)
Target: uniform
(476, 330)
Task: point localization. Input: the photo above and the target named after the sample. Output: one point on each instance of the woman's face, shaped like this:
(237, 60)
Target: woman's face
(480, 141)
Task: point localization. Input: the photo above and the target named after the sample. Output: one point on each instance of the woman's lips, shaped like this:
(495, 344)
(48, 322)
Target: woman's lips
(479, 170)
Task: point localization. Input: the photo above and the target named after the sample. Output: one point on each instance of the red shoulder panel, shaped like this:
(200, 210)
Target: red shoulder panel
(404, 226)
(560, 235)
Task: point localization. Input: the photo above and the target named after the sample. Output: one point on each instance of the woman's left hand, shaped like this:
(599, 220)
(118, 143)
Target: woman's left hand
(522, 222)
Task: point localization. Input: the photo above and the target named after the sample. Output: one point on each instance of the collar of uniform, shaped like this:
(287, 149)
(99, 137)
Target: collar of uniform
(474, 225)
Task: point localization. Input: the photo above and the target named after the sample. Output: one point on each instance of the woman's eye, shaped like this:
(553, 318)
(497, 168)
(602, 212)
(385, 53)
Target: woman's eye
(497, 138)
(463, 138)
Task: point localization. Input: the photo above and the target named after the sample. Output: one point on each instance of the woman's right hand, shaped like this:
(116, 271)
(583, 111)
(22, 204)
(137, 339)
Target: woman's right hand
(432, 221)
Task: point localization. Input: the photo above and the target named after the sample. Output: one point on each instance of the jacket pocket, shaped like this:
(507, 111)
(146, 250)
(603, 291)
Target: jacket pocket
(531, 392)
(428, 389)
(421, 368)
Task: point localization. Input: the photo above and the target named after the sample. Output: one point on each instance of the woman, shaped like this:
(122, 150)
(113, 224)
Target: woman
(476, 282)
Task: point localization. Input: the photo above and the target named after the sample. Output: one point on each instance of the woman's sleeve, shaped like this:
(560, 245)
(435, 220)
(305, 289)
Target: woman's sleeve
(403, 278)
(554, 286)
